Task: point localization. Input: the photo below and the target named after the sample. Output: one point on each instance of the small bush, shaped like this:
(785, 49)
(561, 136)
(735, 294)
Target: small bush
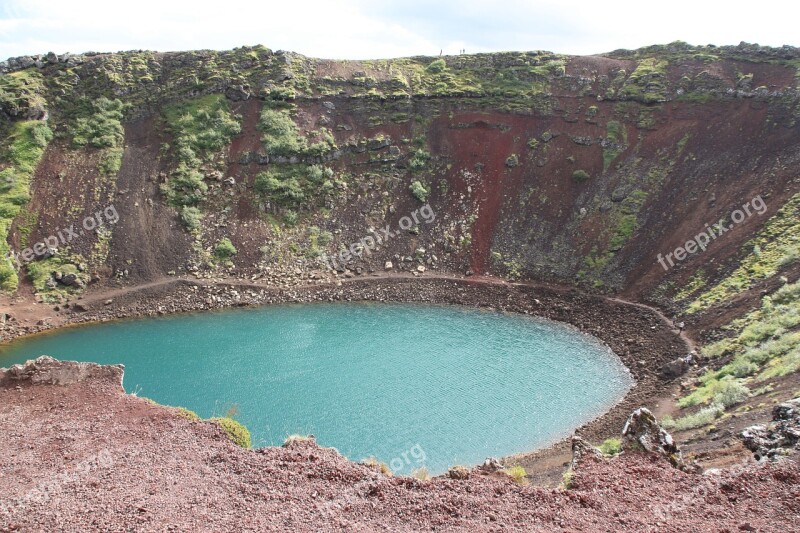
(611, 446)
(436, 66)
(384, 468)
(421, 473)
(419, 160)
(224, 249)
(238, 434)
(567, 479)
(419, 191)
(704, 417)
(580, 175)
(517, 473)
(191, 218)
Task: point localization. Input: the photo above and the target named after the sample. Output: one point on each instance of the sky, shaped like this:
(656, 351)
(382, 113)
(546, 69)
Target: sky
(368, 29)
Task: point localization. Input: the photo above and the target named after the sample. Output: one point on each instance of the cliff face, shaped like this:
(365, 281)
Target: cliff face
(575, 170)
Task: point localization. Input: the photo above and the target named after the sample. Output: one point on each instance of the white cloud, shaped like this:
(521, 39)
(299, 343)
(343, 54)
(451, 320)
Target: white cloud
(368, 29)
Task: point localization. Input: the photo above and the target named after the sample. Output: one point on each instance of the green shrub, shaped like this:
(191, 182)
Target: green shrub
(419, 160)
(110, 161)
(517, 473)
(704, 417)
(186, 186)
(419, 191)
(290, 218)
(611, 446)
(224, 249)
(281, 135)
(730, 392)
(103, 128)
(436, 66)
(191, 217)
(580, 175)
(238, 434)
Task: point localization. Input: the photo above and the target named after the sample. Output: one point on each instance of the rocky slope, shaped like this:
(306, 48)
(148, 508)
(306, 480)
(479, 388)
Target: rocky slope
(82, 455)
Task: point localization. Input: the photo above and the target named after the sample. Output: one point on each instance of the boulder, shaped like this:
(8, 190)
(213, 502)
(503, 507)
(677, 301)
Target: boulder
(642, 432)
(675, 368)
(779, 437)
(582, 450)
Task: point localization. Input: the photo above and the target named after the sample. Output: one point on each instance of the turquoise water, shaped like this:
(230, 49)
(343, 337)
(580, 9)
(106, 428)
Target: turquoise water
(411, 385)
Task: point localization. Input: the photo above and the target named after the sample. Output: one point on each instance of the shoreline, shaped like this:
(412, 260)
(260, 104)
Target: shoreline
(638, 335)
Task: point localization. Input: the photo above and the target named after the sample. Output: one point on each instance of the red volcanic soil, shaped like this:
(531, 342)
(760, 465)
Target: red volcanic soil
(84, 456)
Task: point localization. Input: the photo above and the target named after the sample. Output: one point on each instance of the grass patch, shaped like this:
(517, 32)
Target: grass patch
(22, 148)
(237, 433)
(776, 246)
(517, 473)
(648, 83)
(612, 446)
(703, 417)
(201, 129)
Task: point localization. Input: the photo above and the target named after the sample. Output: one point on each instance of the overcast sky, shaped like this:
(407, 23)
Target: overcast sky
(360, 29)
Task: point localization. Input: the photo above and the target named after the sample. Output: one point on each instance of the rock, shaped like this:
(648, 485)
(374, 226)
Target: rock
(237, 93)
(618, 194)
(108, 302)
(388, 265)
(230, 180)
(328, 105)
(582, 450)
(46, 370)
(512, 161)
(642, 432)
(491, 464)
(458, 472)
(777, 438)
(674, 368)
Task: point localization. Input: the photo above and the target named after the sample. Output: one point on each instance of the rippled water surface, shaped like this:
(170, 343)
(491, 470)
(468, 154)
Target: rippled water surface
(408, 384)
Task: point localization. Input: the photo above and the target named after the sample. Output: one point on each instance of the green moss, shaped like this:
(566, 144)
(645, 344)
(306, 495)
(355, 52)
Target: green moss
(41, 274)
(22, 93)
(616, 132)
(295, 186)
(775, 246)
(189, 415)
(237, 433)
(648, 83)
(201, 128)
(21, 150)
